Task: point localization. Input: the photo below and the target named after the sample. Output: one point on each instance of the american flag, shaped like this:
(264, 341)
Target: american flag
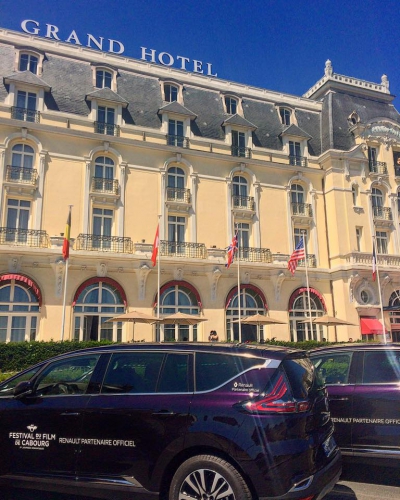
(231, 250)
(298, 254)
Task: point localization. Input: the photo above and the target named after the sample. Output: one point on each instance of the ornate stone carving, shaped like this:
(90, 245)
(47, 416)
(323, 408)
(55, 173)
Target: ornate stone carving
(328, 68)
(277, 281)
(142, 274)
(214, 276)
(14, 264)
(178, 273)
(101, 270)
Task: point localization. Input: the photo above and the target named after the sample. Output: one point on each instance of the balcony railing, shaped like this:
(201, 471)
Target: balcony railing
(249, 254)
(300, 161)
(382, 213)
(366, 258)
(311, 259)
(96, 243)
(177, 140)
(241, 151)
(24, 237)
(106, 128)
(103, 185)
(304, 209)
(378, 167)
(183, 249)
(25, 114)
(21, 175)
(244, 202)
(178, 194)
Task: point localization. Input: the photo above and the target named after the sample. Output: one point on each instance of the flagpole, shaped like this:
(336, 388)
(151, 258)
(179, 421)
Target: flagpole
(308, 287)
(379, 287)
(65, 282)
(238, 285)
(158, 278)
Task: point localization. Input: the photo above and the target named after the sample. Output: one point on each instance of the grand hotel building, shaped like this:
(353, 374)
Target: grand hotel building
(129, 143)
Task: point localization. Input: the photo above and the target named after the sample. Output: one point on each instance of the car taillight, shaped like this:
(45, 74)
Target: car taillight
(274, 401)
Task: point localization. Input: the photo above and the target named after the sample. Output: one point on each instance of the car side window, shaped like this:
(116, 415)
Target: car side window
(333, 368)
(381, 367)
(175, 375)
(68, 376)
(213, 370)
(133, 372)
(7, 387)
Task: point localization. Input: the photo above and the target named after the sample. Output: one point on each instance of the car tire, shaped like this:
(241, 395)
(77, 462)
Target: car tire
(207, 476)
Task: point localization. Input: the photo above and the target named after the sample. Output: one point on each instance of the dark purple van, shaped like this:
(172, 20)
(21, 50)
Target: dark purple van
(199, 421)
(363, 382)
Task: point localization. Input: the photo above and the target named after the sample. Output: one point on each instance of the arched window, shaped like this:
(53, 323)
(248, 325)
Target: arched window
(285, 116)
(28, 62)
(252, 301)
(21, 168)
(354, 193)
(103, 79)
(104, 175)
(173, 299)
(97, 302)
(176, 185)
(19, 312)
(231, 105)
(297, 194)
(240, 192)
(299, 315)
(377, 197)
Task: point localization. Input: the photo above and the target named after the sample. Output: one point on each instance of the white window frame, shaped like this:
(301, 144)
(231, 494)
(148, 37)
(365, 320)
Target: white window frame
(285, 115)
(29, 52)
(106, 69)
(382, 242)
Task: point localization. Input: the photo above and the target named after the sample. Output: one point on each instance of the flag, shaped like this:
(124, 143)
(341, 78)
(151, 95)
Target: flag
(231, 250)
(155, 247)
(373, 263)
(298, 254)
(65, 248)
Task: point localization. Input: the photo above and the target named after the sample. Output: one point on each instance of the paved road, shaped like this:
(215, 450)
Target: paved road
(358, 483)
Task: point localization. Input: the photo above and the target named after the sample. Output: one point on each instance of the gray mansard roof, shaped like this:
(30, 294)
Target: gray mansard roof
(68, 85)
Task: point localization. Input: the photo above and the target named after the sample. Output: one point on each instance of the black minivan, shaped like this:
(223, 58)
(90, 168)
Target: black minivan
(176, 421)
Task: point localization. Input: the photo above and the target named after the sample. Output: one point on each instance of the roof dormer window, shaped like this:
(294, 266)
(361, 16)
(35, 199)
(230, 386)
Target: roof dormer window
(285, 114)
(231, 105)
(28, 62)
(170, 92)
(103, 79)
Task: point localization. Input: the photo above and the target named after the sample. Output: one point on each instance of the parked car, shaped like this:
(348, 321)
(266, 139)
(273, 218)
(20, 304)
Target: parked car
(363, 382)
(170, 421)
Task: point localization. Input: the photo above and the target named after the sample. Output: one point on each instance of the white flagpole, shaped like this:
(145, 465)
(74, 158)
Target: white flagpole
(66, 279)
(379, 287)
(308, 286)
(158, 278)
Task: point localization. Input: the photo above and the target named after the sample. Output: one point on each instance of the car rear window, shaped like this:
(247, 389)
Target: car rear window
(381, 367)
(213, 370)
(300, 372)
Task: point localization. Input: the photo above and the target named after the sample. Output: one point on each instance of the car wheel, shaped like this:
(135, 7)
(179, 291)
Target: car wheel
(207, 477)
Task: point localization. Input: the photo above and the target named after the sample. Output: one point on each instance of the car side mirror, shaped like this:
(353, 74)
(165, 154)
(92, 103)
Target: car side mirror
(22, 389)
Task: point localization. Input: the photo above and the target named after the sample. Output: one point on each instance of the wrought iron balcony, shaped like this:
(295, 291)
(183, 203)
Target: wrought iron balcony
(182, 249)
(302, 209)
(21, 175)
(244, 202)
(300, 161)
(103, 185)
(249, 254)
(177, 140)
(25, 114)
(378, 167)
(97, 243)
(241, 151)
(382, 213)
(178, 194)
(24, 237)
(106, 128)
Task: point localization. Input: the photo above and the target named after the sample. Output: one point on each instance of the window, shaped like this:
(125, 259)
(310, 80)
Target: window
(21, 163)
(176, 234)
(176, 185)
(358, 238)
(243, 237)
(19, 312)
(382, 242)
(238, 143)
(364, 296)
(102, 227)
(285, 116)
(251, 302)
(97, 303)
(231, 105)
(381, 367)
(170, 92)
(240, 192)
(333, 368)
(28, 62)
(372, 156)
(295, 153)
(175, 133)
(104, 174)
(18, 212)
(26, 106)
(297, 194)
(105, 120)
(354, 194)
(299, 233)
(103, 79)
(377, 197)
(300, 325)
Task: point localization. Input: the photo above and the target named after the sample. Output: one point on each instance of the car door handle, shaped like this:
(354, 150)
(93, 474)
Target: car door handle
(163, 413)
(70, 414)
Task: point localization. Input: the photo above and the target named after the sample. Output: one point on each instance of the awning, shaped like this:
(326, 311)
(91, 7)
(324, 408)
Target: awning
(370, 326)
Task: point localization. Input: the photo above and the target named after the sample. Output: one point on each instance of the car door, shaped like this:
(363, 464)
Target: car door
(376, 417)
(41, 428)
(337, 370)
(140, 417)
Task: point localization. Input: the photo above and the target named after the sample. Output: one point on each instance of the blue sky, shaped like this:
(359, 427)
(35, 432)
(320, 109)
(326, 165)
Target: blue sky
(278, 45)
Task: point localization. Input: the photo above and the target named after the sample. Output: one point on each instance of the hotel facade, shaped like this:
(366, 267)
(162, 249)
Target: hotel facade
(133, 144)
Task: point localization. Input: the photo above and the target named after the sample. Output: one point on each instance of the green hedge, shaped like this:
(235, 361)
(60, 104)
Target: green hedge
(16, 356)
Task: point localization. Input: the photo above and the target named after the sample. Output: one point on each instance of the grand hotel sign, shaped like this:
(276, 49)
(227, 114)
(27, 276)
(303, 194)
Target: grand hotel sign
(116, 47)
